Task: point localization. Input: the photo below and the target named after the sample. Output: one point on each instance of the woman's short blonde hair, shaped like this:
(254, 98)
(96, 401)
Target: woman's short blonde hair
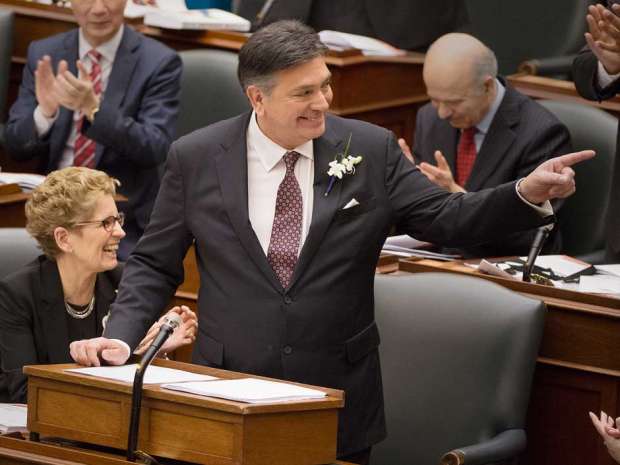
(66, 197)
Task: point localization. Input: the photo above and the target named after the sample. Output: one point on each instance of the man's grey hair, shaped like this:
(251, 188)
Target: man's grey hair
(484, 65)
(278, 46)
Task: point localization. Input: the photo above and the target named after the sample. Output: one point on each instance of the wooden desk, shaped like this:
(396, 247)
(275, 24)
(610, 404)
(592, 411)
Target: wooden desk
(183, 426)
(578, 369)
(540, 87)
(383, 90)
(16, 451)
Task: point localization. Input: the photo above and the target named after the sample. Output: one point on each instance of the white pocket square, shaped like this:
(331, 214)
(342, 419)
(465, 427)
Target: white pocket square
(352, 203)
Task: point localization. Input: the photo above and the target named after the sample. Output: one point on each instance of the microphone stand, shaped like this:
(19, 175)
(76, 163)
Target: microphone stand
(136, 396)
(539, 240)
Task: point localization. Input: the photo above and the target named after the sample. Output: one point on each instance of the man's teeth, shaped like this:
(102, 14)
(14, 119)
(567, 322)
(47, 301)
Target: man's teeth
(111, 248)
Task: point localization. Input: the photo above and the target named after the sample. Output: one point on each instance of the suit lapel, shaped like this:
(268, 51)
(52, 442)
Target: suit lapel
(325, 206)
(232, 172)
(120, 76)
(496, 143)
(105, 292)
(52, 312)
(64, 123)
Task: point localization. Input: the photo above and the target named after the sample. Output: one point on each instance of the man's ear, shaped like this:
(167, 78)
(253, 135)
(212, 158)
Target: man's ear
(489, 83)
(63, 241)
(256, 97)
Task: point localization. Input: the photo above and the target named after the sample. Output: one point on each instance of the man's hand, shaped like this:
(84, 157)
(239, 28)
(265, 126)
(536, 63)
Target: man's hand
(44, 81)
(406, 150)
(75, 93)
(609, 432)
(552, 179)
(90, 352)
(183, 335)
(603, 37)
(440, 174)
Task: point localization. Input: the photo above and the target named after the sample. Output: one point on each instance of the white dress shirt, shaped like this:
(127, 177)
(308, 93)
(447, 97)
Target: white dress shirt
(108, 54)
(603, 77)
(266, 171)
(485, 123)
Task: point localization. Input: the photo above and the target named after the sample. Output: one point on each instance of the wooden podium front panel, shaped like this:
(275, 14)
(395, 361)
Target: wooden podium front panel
(183, 426)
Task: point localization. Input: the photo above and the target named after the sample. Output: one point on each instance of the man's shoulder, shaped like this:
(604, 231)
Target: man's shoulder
(337, 125)
(151, 47)
(531, 113)
(52, 43)
(211, 138)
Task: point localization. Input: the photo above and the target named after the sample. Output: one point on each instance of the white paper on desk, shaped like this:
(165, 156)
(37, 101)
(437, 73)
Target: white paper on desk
(405, 241)
(13, 418)
(600, 284)
(561, 265)
(27, 181)
(211, 18)
(251, 390)
(367, 45)
(608, 269)
(154, 374)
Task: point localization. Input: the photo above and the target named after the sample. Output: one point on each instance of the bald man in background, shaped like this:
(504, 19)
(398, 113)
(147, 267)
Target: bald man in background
(477, 132)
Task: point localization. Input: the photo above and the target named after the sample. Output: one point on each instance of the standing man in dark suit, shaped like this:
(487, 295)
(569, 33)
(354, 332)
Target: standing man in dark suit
(101, 96)
(596, 71)
(288, 234)
(508, 133)
(406, 24)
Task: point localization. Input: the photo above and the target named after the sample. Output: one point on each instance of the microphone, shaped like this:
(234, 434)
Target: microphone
(537, 244)
(260, 16)
(171, 322)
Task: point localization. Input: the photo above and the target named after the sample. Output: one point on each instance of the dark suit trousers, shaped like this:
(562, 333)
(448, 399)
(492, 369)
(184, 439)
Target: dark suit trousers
(360, 458)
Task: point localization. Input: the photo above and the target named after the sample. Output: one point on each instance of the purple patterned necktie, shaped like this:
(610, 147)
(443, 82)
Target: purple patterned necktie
(286, 230)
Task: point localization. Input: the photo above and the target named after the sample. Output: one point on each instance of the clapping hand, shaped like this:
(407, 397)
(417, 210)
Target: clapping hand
(609, 431)
(440, 175)
(603, 36)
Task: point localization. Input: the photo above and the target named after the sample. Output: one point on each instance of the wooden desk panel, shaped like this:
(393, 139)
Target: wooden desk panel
(540, 87)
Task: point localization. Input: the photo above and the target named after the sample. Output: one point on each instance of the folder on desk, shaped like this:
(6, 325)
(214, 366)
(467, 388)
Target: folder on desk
(251, 390)
(211, 18)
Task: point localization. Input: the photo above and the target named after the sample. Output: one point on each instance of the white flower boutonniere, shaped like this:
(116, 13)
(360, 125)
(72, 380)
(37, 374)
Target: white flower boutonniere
(338, 168)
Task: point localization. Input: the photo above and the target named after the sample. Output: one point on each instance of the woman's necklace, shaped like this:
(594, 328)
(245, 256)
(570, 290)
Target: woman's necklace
(80, 314)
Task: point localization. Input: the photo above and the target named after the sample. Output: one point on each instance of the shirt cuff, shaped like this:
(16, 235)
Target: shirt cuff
(126, 346)
(42, 123)
(543, 210)
(603, 77)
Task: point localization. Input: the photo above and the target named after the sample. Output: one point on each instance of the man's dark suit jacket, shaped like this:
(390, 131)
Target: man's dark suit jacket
(33, 321)
(585, 76)
(522, 135)
(321, 329)
(407, 24)
(133, 128)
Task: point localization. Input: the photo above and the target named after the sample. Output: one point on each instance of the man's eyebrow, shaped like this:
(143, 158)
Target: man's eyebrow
(327, 80)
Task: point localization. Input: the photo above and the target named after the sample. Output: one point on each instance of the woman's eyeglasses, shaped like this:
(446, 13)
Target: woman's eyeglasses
(107, 223)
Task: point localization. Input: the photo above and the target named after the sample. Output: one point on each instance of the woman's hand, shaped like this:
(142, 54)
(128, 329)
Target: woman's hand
(183, 335)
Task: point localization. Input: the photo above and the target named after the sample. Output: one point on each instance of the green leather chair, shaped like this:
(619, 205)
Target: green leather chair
(582, 217)
(17, 248)
(6, 50)
(210, 91)
(457, 355)
(547, 31)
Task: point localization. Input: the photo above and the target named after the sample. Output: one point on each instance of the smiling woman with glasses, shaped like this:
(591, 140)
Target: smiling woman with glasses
(65, 294)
